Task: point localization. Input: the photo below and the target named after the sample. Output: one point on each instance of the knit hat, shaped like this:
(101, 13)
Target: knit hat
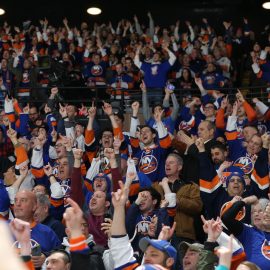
(235, 171)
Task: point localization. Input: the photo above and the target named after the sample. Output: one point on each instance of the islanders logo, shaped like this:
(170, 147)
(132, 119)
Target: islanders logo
(245, 164)
(96, 70)
(266, 249)
(240, 215)
(66, 192)
(148, 164)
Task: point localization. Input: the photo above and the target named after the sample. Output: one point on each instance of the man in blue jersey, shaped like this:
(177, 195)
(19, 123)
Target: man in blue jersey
(24, 208)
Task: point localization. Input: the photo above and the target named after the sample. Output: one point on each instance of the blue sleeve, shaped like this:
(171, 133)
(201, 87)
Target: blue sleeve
(23, 128)
(185, 114)
(131, 218)
(163, 218)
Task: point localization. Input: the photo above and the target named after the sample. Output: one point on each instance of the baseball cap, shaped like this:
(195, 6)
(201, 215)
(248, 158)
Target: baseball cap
(184, 246)
(161, 245)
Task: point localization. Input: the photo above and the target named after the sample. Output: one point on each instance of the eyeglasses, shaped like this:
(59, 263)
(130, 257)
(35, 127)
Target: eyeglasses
(58, 145)
(209, 107)
(237, 180)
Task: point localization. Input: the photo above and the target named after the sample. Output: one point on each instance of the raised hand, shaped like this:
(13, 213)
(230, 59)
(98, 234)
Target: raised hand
(62, 110)
(224, 102)
(77, 153)
(21, 230)
(24, 171)
(240, 96)
(48, 170)
(47, 109)
(236, 106)
(107, 108)
(26, 108)
(212, 228)
(143, 86)
(166, 232)
(11, 133)
(73, 217)
(120, 197)
(158, 116)
(200, 145)
(198, 81)
(83, 110)
(135, 106)
(185, 138)
(92, 111)
(255, 100)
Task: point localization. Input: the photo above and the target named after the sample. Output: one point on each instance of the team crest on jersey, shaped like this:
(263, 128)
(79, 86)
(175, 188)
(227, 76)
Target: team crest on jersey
(25, 77)
(240, 215)
(66, 191)
(266, 249)
(96, 70)
(148, 164)
(210, 79)
(154, 70)
(245, 164)
(184, 126)
(143, 226)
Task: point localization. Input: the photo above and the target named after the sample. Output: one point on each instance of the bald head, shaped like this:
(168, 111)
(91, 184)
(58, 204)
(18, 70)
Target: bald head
(25, 205)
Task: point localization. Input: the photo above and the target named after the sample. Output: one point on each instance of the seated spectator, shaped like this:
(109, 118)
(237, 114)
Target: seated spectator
(24, 208)
(42, 216)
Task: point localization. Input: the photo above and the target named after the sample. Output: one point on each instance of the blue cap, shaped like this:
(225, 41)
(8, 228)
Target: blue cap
(161, 245)
(103, 176)
(235, 171)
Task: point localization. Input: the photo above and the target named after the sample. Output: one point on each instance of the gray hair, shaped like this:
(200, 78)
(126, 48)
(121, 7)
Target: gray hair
(177, 157)
(43, 199)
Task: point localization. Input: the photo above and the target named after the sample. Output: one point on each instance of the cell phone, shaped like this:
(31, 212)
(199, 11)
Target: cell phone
(170, 86)
(107, 215)
(36, 251)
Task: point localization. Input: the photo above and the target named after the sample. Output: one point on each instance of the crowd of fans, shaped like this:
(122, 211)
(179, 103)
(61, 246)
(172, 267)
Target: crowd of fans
(185, 186)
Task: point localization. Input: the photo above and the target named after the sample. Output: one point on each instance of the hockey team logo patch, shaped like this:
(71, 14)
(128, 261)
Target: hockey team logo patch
(266, 249)
(245, 164)
(148, 164)
(96, 70)
(240, 215)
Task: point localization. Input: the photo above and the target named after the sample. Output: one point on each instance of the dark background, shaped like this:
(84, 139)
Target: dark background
(165, 12)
